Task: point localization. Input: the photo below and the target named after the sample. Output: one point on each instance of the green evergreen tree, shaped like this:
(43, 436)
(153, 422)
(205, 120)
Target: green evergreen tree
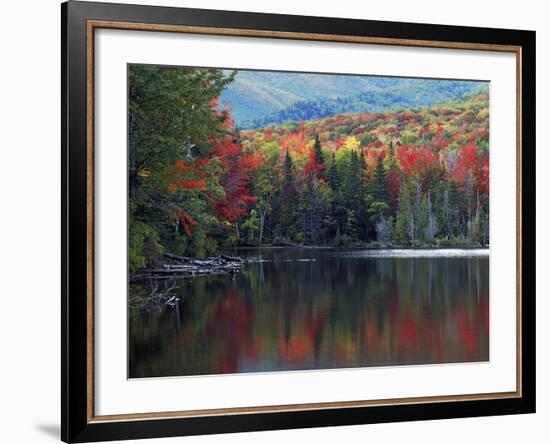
(319, 158)
(404, 224)
(312, 212)
(288, 199)
(380, 191)
(364, 199)
(379, 206)
(452, 209)
(391, 155)
(351, 225)
(339, 210)
(332, 174)
(351, 187)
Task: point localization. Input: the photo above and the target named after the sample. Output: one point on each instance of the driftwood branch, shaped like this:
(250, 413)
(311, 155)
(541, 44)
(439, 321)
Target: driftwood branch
(158, 297)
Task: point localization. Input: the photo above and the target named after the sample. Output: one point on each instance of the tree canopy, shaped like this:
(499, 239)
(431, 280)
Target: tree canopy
(198, 184)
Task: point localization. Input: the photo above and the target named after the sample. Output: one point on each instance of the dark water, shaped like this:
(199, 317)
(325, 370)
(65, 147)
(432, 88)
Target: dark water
(318, 309)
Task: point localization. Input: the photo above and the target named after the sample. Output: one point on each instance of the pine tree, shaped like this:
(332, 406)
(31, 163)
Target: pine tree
(319, 158)
(380, 192)
(452, 209)
(364, 199)
(332, 174)
(394, 178)
(404, 224)
(351, 225)
(339, 209)
(311, 212)
(379, 207)
(288, 198)
(391, 155)
(352, 184)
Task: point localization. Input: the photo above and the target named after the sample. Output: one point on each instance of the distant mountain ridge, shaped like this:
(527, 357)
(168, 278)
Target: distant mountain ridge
(263, 98)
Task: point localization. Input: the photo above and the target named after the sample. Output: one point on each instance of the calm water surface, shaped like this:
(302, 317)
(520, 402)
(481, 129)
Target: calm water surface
(319, 309)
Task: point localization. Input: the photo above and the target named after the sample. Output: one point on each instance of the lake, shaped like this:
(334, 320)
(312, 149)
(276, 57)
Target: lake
(302, 309)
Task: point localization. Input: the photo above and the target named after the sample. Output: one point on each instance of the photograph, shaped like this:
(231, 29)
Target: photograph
(275, 220)
(289, 221)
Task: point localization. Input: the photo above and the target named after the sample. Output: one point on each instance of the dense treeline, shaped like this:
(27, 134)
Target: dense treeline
(196, 184)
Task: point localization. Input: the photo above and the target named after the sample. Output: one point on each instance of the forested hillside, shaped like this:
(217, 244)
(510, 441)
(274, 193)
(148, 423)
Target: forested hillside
(255, 94)
(262, 98)
(407, 178)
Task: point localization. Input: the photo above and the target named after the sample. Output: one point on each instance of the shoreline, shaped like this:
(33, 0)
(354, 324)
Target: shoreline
(353, 247)
(185, 266)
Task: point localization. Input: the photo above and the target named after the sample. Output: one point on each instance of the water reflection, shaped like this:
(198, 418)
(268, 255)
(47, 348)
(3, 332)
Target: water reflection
(317, 309)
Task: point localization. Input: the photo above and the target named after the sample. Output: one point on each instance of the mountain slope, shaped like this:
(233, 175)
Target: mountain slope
(255, 94)
(262, 98)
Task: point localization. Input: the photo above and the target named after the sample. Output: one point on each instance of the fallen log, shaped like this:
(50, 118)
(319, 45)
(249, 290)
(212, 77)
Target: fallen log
(177, 258)
(191, 267)
(231, 258)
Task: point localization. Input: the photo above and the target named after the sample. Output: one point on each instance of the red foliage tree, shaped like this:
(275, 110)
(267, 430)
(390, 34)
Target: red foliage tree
(439, 140)
(313, 169)
(419, 161)
(472, 165)
(237, 167)
(189, 177)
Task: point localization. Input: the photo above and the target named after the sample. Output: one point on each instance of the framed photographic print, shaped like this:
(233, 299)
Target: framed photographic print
(276, 221)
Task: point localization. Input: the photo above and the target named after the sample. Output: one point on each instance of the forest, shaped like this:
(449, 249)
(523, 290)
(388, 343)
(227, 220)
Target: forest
(197, 184)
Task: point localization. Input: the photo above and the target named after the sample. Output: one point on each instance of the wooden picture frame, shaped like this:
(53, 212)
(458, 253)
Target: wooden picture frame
(79, 22)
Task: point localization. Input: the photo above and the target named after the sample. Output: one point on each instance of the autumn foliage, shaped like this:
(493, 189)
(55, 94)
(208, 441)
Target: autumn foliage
(197, 183)
(440, 154)
(236, 168)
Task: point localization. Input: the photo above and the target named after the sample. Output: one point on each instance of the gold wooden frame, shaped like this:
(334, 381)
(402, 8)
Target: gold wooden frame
(92, 25)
